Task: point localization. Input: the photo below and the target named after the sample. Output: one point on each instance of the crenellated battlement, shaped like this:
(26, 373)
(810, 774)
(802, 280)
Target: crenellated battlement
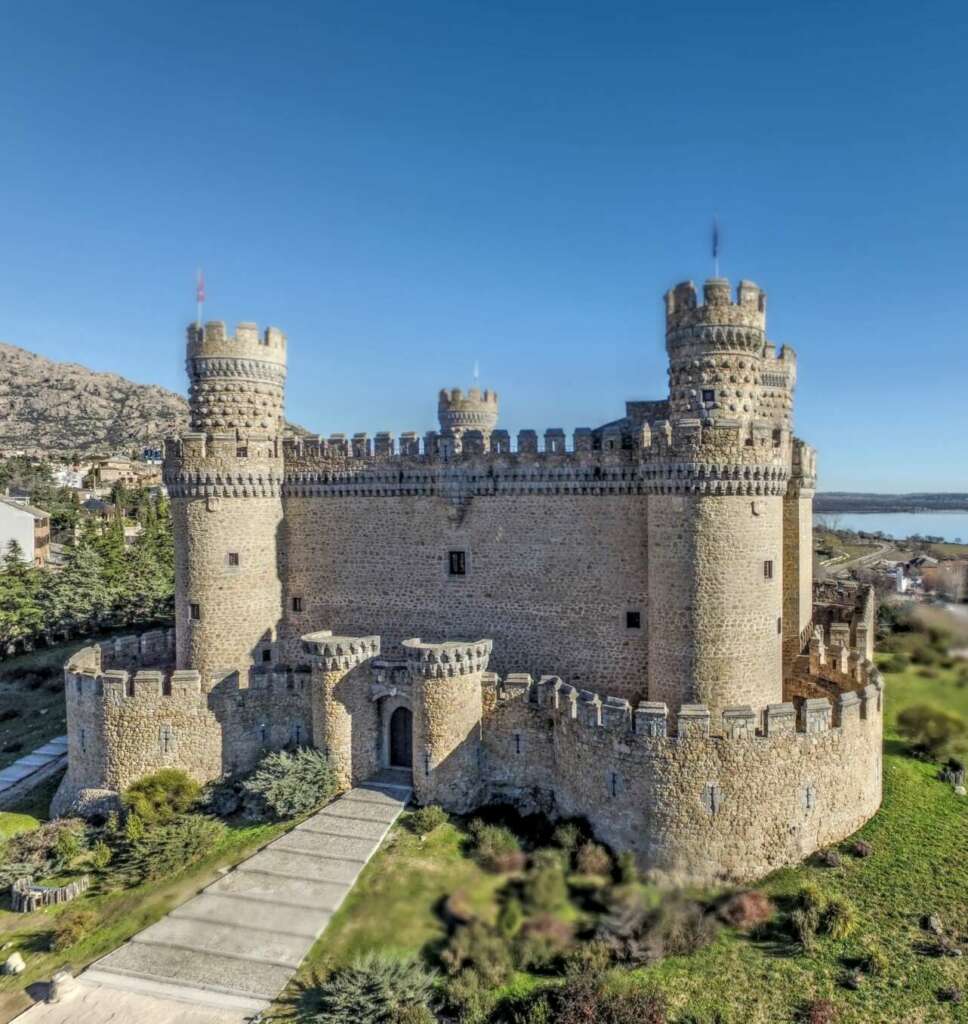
(212, 339)
(339, 653)
(443, 660)
(746, 317)
(651, 721)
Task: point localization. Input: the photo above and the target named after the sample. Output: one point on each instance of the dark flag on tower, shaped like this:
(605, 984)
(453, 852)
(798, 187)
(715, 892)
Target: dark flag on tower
(716, 244)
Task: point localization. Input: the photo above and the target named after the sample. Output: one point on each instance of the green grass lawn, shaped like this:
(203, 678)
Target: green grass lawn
(119, 915)
(919, 866)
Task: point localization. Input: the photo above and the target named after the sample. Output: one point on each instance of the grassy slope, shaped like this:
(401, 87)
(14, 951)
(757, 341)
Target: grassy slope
(920, 841)
(119, 915)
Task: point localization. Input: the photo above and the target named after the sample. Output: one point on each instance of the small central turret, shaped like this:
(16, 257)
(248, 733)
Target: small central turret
(457, 412)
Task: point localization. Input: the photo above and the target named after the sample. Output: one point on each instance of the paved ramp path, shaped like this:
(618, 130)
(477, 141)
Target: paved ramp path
(50, 755)
(235, 946)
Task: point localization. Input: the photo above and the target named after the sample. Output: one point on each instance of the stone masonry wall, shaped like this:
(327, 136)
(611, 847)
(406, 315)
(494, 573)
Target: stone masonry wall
(550, 577)
(693, 808)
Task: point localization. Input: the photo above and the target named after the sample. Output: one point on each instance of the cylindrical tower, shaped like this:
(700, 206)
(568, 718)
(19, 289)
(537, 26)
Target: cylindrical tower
(225, 479)
(447, 711)
(717, 472)
(457, 413)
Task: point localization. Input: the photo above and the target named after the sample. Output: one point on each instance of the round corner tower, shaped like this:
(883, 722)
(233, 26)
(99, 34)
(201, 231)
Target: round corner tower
(718, 471)
(224, 478)
(459, 413)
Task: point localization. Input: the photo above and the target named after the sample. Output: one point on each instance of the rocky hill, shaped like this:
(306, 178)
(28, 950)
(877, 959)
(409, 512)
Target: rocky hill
(51, 408)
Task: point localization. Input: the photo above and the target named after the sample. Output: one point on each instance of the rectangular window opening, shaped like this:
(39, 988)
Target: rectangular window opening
(457, 561)
(267, 654)
(242, 453)
(234, 559)
(633, 620)
(779, 626)
(708, 396)
(194, 611)
(297, 604)
(768, 569)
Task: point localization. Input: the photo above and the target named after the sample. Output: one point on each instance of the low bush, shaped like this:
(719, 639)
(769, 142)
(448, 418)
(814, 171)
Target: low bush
(684, 927)
(819, 1011)
(639, 932)
(593, 859)
(39, 852)
(147, 853)
(541, 942)
(628, 869)
(545, 887)
(591, 999)
(497, 848)
(839, 918)
(509, 917)
(373, 989)
(567, 836)
(747, 910)
(481, 947)
(425, 819)
(471, 997)
(457, 909)
(71, 927)
(286, 784)
(805, 923)
(932, 732)
(162, 796)
(101, 855)
(861, 849)
(874, 961)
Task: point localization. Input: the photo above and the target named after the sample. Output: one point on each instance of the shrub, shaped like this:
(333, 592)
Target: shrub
(804, 923)
(874, 961)
(509, 917)
(471, 996)
(640, 934)
(35, 853)
(593, 859)
(747, 910)
(684, 927)
(101, 855)
(541, 941)
(819, 1011)
(839, 919)
(67, 847)
(425, 819)
(829, 858)
(588, 999)
(373, 989)
(861, 849)
(224, 798)
(71, 927)
(287, 784)
(497, 848)
(162, 796)
(481, 947)
(545, 888)
(567, 836)
(810, 898)
(932, 732)
(896, 663)
(161, 850)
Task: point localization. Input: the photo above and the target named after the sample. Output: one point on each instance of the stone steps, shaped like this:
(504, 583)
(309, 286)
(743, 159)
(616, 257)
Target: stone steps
(243, 937)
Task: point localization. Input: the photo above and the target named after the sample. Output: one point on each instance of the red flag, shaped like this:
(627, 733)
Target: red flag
(200, 289)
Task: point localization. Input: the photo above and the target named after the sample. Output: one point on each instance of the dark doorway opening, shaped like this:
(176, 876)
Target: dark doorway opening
(401, 739)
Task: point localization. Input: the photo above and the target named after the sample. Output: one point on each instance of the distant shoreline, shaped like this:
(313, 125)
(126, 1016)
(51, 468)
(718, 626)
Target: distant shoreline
(847, 501)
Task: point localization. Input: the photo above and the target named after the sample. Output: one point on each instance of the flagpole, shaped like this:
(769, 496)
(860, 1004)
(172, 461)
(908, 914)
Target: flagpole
(199, 296)
(716, 246)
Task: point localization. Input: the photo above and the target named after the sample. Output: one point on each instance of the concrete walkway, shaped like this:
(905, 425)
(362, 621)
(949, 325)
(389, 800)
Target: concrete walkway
(233, 948)
(47, 756)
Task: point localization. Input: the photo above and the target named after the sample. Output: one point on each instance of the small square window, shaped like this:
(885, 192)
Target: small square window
(233, 559)
(457, 561)
(194, 611)
(267, 654)
(768, 569)
(297, 605)
(242, 453)
(633, 620)
(708, 396)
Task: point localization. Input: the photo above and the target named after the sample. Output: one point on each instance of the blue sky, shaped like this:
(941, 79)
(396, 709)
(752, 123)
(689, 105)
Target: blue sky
(405, 187)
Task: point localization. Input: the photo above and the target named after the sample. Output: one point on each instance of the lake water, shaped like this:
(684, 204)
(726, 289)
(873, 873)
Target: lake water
(952, 526)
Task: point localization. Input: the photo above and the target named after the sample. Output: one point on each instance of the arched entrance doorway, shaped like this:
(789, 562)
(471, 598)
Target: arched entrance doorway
(401, 738)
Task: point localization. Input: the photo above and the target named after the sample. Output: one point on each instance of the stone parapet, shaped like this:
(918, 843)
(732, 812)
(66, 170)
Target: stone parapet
(339, 653)
(440, 661)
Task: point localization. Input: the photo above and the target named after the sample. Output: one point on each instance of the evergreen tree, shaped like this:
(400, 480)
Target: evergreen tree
(21, 616)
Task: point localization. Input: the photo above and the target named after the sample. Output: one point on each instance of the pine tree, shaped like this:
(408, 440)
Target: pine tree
(21, 616)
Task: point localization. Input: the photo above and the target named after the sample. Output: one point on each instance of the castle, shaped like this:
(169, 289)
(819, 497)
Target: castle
(625, 628)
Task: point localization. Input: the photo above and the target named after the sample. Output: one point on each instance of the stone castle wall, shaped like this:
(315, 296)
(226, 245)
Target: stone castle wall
(694, 807)
(550, 577)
